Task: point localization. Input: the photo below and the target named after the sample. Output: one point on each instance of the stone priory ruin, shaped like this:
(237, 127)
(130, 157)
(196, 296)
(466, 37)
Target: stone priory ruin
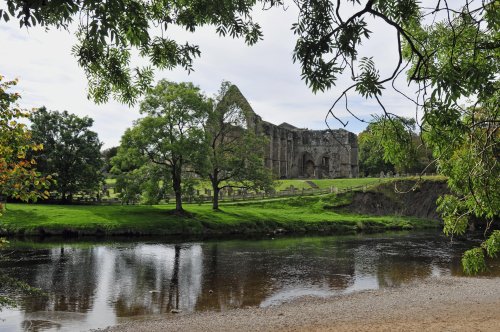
(302, 153)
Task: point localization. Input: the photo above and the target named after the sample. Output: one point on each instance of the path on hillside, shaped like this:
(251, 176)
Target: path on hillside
(312, 184)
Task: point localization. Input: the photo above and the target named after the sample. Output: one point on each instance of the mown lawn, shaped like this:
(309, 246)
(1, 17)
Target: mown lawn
(298, 214)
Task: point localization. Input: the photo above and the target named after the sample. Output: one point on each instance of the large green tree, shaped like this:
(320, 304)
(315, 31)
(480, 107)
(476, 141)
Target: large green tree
(137, 178)
(392, 144)
(450, 52)
(171, 135)
(235, 155)
(71, 151)
(371, 155)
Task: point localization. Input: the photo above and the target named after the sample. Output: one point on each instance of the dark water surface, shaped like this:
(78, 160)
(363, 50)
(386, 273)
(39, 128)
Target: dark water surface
(92, 285)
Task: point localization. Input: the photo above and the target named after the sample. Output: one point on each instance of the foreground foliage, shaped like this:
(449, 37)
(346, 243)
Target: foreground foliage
(18, 176)
(450, 53)
(107, 38)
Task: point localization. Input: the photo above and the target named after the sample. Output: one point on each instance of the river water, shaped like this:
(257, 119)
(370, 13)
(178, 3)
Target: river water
(96, 284)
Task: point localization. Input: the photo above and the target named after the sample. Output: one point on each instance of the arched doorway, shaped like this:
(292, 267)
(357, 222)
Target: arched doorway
(308, 165)
(309, 169)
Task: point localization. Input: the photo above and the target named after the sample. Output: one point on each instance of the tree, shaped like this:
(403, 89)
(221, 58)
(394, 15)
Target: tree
(235, 155)
(106, 156)
(107, 37)
(171, 135)
(451, 54)
(137, 178)
(18, 176)
(371, 155)
(391, 144)
(71, 151)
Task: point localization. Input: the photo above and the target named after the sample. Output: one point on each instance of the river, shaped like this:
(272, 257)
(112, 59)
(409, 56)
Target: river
(100, 283)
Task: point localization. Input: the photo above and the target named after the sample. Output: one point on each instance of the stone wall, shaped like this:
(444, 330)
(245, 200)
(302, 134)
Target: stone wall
(300, 153)
(293, 152)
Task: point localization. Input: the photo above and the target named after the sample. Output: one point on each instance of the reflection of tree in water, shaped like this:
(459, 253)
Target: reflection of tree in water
(69, 276)
(39, 325)
(156, 279)
(245, 273)
(232, 279)
(146, 279)
(401, 262)
(395, 272)
(173, 292)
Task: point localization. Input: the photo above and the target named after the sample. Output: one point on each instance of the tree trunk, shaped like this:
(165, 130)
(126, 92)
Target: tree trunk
(215, 205)
(176, 184)
(215, 187)
(178, 201)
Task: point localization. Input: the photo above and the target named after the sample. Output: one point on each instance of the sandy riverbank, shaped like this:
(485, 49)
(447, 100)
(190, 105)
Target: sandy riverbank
(436, 304)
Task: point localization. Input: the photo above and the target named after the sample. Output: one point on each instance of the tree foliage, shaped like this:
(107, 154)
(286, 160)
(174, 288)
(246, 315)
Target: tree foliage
(450, 51)
(371, 155)
(71, 151)
(171, 134)
(106, 156)
(18, 176)
(392, 144)
(138, 179)
(109, 31)
(235, 151)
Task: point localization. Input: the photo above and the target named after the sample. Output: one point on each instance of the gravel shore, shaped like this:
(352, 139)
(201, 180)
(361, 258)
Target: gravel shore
(436, 304)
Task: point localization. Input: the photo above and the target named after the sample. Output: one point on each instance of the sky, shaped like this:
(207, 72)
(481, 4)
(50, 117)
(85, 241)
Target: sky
(265, 73)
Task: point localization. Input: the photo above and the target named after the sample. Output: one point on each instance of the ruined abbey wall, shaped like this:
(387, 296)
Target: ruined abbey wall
(301, 153)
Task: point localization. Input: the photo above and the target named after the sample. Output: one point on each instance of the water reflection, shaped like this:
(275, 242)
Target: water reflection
(93, 286)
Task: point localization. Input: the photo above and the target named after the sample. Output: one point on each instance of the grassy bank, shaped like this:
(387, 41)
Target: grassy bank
(299, 214)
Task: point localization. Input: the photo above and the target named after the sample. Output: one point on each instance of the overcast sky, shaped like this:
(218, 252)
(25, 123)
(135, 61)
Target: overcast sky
(49, 75)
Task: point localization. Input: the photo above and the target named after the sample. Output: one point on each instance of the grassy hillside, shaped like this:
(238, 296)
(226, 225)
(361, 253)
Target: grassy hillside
(298, 214)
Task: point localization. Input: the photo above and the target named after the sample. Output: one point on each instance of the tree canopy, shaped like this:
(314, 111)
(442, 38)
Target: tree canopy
(18, 176)
(450, 52)
(108, 32)
(71, 151)
(171, 134)
(378, 153)
(235, 156)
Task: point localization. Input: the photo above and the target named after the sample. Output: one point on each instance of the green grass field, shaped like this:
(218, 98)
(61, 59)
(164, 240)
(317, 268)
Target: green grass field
(297, 214)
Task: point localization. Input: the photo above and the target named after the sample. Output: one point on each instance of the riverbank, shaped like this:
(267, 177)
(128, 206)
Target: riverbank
(435, 304)
(325, 214)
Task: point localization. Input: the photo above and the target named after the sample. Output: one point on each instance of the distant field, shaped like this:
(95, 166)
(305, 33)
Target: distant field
(327, 183)
(300, 183)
